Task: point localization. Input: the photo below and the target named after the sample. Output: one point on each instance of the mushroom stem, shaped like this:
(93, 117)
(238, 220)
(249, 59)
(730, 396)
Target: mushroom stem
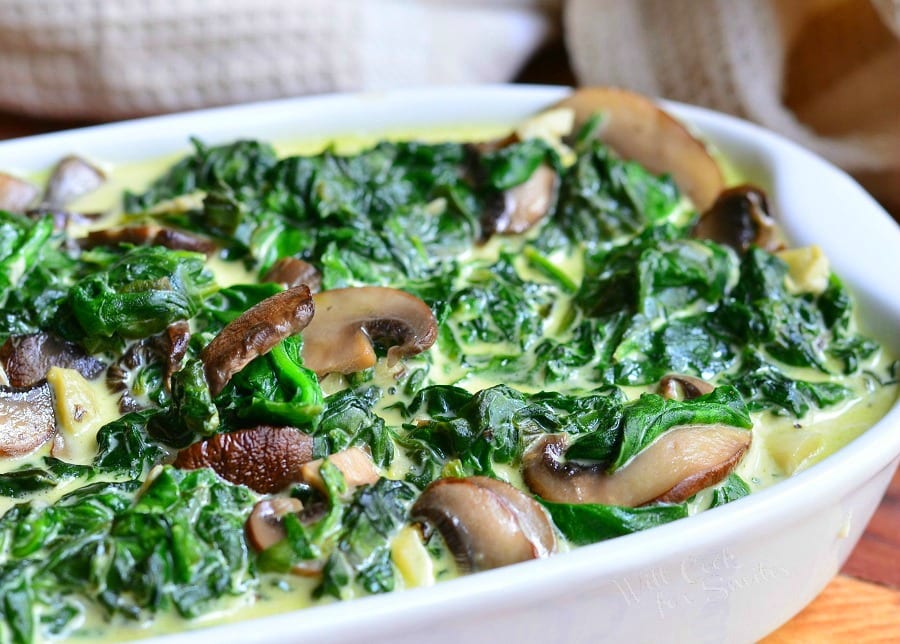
(676, 466)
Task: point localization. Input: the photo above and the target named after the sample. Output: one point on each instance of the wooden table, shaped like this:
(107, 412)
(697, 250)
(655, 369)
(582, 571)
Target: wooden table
(861, 605)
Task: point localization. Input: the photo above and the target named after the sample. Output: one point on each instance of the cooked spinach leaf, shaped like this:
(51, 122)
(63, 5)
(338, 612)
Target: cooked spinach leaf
(586, 523)
(139, 294)
(178, 544)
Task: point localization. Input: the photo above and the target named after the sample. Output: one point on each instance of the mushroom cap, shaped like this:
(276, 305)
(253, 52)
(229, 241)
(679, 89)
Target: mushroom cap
(28, 418)
(738, 218)
(347, 321)
(265, 459)
(72, 177)
(485, 523)
(523, 205)
(16, 194)
(27, 358)
(637, 129)
(291, 272)
(677, 465)
(254, 333)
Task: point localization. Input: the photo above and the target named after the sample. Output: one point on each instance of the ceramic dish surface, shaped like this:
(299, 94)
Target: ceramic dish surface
(732, 574)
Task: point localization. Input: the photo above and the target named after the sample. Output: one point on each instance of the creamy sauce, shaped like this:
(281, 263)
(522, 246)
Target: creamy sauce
(781, 446)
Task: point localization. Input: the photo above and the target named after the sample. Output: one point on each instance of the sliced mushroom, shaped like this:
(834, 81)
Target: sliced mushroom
(354, 463)
(27, 358)
(254, 333)
(16, 194)
(738, 218)
(347, 321)
(266, 459)
(27, 417)
(677, 465)
(485, 523)
(523, 205)
(149, 235)
(637, 129)
(291, 272)
(678, 386)
(72, 177)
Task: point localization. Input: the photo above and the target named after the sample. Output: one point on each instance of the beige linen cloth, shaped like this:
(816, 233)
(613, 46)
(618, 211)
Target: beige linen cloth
(823, 72)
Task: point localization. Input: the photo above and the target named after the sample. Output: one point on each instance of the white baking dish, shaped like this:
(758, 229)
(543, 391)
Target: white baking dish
(732, 574)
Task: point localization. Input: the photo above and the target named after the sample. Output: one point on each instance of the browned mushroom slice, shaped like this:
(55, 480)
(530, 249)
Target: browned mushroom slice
(738, 218)
(637, 129)
(16, 194)
(677, 386)
(347, 321)
(523, 205)
(28, 420)
(72, 177)
(27, 358)
(149, 235)
(354, 463)
(485, 523)
(291, 272)
(254, 333)
(265, 459)
(677, 465)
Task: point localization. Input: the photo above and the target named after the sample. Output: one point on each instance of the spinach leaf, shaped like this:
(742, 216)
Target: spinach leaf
(191, 412)
(30, 479)
(602, 197)
(362, 553)
(348, 419)
(732, 489)
(139, 294)
(470, 433)
(586, 523)
(766, 388)
(124, 447)
(34, 274)
(178, 544)
(273, 388)
(237, 165)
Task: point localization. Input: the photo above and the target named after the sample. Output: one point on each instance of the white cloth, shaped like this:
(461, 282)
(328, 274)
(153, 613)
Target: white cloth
(114, 58)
